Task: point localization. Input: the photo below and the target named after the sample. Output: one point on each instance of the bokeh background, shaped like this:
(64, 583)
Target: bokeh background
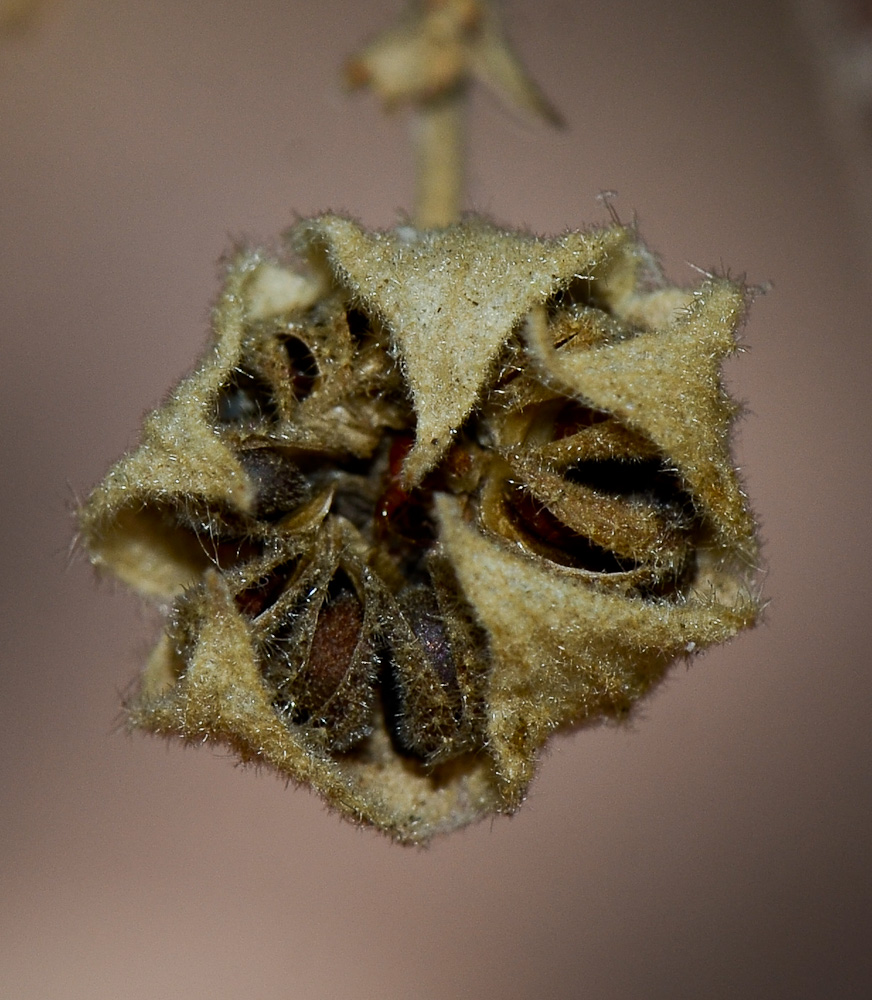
(719, 845)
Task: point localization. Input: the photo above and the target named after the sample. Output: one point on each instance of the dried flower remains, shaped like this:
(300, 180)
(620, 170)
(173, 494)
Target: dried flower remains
(431, 495)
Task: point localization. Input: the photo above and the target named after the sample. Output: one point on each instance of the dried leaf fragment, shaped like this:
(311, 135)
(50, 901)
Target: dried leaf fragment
(429, 497)
(436, 48)
(426, 61)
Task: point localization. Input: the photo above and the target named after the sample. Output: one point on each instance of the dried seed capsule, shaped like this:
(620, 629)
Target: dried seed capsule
(429, 501)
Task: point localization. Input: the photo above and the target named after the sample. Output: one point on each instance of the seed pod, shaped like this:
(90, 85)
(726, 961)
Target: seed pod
(429, 496)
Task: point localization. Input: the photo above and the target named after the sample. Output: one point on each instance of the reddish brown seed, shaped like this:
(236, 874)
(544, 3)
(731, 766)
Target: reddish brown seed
(263, 593)
(398, 511)
(333, 643)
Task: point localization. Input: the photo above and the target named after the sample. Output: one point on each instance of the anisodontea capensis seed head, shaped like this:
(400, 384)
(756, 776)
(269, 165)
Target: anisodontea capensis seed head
(430, 496)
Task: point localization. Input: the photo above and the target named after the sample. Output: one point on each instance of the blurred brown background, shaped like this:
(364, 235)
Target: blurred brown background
(717, 847)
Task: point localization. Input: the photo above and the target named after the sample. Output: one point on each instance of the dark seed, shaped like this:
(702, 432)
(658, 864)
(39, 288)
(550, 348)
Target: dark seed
(556, 540)
(280, 485)
(580, 291)
(421, 610)
(645, 480)
(358, 324)
(303, 367)
(246, 400)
